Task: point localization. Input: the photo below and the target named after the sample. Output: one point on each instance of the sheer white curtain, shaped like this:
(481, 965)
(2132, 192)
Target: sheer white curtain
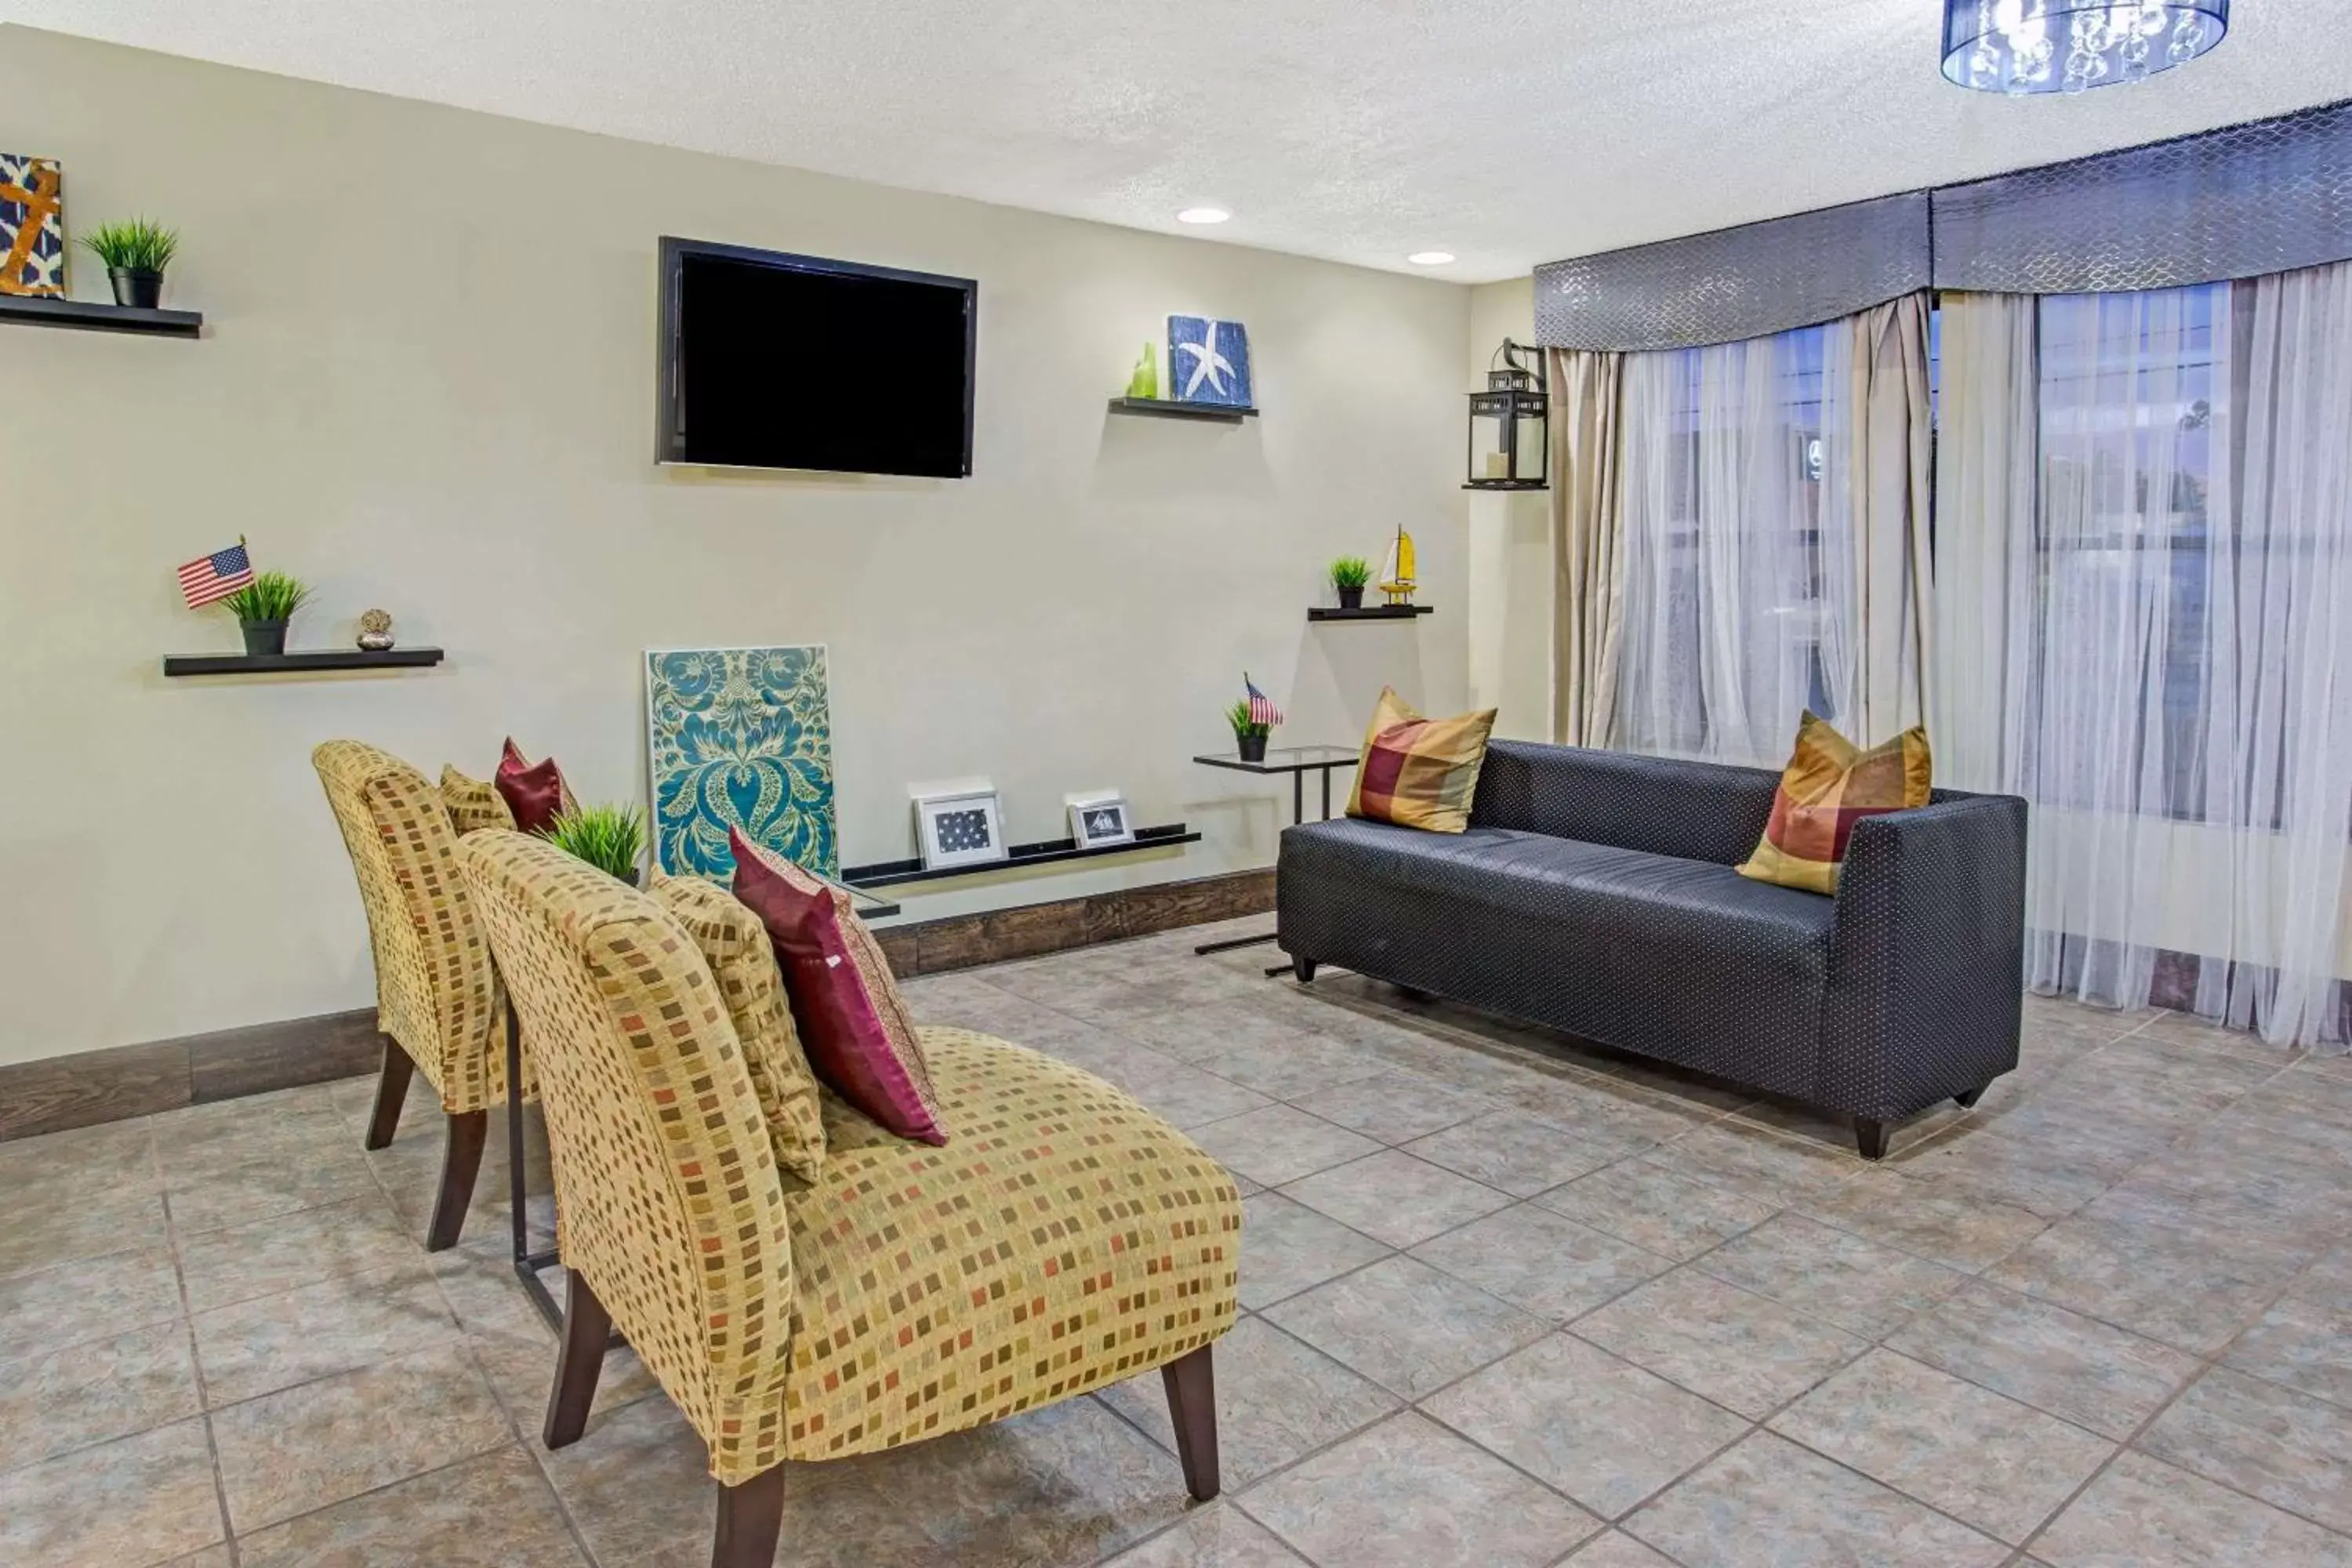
(1739, 604)
(2175, 690)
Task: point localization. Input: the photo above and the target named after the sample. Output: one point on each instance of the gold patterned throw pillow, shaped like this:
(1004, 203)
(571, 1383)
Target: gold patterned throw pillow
(1420, 773)
(472, 804)
(1829, 785)
(742, 960)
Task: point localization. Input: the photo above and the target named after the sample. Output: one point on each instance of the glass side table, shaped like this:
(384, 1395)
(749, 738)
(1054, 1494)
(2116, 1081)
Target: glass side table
(1297, 761)
(530, 1264)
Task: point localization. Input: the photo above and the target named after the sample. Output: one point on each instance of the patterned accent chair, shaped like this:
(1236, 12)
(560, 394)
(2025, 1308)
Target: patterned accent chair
(438, 1003)
(1064, 1239)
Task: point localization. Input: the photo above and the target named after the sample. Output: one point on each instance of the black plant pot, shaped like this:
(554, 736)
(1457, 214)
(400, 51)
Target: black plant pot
(1253, 747)
(263, 636)
(139, 290)
(1353, 598)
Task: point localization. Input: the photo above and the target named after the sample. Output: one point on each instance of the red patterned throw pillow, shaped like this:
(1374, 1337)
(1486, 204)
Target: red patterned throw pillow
(534, 792)
(854, 1025)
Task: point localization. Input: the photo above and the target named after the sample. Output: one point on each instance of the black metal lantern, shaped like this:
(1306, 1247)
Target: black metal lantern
(1509, 433)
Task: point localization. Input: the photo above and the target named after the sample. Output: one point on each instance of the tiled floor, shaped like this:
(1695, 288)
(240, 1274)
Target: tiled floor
(1509, 1302)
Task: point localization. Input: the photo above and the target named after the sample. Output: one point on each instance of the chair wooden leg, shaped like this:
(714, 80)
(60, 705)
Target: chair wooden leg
(1191, 1383)
(751, 1517)
(391, 1094)
(1870, 1138)
(587, 1329)
(461, 1158)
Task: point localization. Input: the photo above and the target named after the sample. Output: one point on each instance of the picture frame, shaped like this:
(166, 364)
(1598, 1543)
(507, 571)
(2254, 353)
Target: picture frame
(1096, 824)
(960, 828)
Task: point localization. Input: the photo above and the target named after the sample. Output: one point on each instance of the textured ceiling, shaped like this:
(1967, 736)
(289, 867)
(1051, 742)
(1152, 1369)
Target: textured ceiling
(1507, 132)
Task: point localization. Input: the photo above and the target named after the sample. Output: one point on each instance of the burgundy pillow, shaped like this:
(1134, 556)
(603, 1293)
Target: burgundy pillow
(535, 794)
(855, 1027)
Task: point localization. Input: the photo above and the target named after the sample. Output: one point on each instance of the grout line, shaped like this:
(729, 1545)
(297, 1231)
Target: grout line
(196, 1358)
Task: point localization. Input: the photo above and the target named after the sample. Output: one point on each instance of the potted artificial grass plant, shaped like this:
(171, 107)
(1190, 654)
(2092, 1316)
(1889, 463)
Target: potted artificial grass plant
(1249, 735)
(135, 254)
(609, 837)
(1349, 575)
(262, 609)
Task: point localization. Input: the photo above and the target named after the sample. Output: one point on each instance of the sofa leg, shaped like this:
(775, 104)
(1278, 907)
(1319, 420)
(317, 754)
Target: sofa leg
(461, 1158)
(1869, 1137)
(1192, 1384)
(587, 1329)
(1304, 968)
(1413, 993)
(391, 1094)
(1969, 1101)
(751, 1517)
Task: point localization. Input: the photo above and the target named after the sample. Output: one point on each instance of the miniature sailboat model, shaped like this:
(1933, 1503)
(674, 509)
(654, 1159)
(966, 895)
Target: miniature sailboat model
(1397, 582)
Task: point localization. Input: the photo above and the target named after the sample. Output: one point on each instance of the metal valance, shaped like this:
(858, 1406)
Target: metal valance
(1734, 283)
(2264, 197)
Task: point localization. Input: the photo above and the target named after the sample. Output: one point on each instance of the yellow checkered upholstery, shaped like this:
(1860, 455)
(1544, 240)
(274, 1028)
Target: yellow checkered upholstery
(435, 991)
(1063, 1239)
(472, 804)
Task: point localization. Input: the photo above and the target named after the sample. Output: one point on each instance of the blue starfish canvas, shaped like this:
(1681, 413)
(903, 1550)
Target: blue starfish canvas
(1208, 362)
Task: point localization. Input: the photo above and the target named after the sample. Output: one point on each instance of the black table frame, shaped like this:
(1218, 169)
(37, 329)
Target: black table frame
(1297, 772)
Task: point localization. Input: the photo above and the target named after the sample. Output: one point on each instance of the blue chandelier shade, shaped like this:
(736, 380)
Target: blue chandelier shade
(2021, 47)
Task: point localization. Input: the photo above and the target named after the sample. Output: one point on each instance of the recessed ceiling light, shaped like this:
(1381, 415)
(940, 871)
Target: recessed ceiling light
(1429, 258)
(1203, 214)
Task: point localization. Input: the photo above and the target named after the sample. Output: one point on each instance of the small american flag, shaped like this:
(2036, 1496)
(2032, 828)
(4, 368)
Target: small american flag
(216, 576)
(1261, 706)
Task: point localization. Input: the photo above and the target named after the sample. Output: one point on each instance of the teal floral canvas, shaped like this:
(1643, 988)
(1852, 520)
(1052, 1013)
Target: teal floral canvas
(741, 737)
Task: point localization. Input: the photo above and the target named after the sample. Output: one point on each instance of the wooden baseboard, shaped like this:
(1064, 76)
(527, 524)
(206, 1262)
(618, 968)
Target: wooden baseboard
(90, 1086)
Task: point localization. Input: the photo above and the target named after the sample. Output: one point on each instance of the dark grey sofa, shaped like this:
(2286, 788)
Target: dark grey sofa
(1594, 893)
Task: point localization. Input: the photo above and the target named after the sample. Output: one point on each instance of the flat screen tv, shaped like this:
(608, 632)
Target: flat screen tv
(771, 361)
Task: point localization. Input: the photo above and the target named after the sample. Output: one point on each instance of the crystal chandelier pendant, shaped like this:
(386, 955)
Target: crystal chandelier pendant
(2026, 46)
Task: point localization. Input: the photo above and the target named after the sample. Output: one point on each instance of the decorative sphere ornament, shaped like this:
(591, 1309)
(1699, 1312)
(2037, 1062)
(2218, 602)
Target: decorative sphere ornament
(376, 631)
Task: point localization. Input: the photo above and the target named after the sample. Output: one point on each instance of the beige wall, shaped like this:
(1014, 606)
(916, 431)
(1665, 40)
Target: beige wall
(1510, 552)
(427, 384)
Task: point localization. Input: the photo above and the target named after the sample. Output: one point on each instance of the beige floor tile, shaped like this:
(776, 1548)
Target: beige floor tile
(1520, 1154)
(1279, 1399)
(1964, 1233)
(1406, 1326)
(1756, 1163)
(1217, 1536)
(1395, 1106)
(1410, 1494)
(1985, 1460)
(1657, 1209)
(1745, 1353)
(1288, 1247)
(105, 1158)
(51, 1224)
(270, 1342)
(2052, 1177)
(1289, 1067)
(2193, 1291)
(138, 1500)
(1393, 1198)
(93, 1392)
(1280, 1144)
(2146, 1515)
(494, 1511)
(272, 1185)
(318, 1443)
(2287, 1448)
(285, 1252)
(2074, 1367)
(1600, 1429)
(88, 1298)
(2302, 1343)
(637, 1486)
(1541, 1262)
(1830, 1274)
(1615, 1549)
(1769, 1501)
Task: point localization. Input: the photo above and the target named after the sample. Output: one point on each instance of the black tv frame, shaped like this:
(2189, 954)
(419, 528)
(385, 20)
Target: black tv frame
(669, 438)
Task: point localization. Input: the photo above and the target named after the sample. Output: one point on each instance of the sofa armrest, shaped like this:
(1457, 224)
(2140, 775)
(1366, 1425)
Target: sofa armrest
(1927, 956)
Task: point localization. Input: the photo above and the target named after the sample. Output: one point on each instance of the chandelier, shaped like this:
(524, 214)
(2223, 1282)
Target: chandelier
(2018, 47)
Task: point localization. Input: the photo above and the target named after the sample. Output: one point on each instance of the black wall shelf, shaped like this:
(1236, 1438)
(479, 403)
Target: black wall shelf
(91, 316)
(1371, 613)
(896, 873)
(297, 663)
(1169, 408)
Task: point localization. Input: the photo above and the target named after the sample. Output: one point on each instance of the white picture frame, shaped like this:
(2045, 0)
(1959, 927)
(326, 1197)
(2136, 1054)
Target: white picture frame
(960, 829)
(1096, 824)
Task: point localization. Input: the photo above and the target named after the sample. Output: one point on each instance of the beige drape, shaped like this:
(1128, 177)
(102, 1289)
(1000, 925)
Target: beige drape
(1588, 557)
(1891, 454)
(1987, 469)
